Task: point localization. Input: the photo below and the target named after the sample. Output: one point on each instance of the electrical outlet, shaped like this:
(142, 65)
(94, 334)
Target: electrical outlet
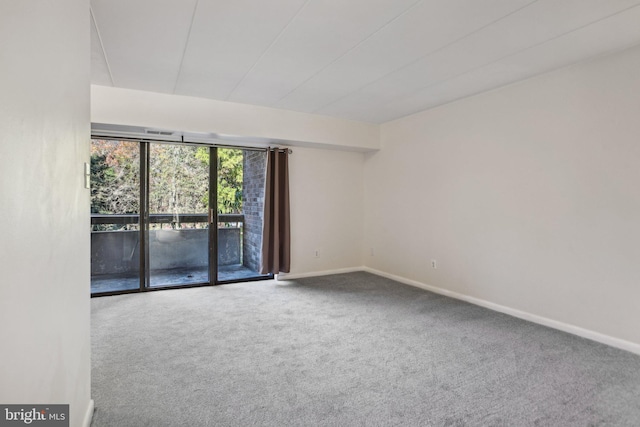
(434, 263)
(372, 253)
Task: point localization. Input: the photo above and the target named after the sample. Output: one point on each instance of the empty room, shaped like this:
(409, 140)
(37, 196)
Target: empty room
(320, 213)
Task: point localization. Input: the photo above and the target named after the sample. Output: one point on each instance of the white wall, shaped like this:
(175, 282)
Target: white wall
(326, 185)
(188, 114)
(326, 192)
(44, 243)
(527, 197)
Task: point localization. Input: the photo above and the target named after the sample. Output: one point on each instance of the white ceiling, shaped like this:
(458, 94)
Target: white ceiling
(369, 60)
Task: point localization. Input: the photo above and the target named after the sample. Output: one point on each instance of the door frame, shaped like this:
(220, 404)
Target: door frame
(144, 216)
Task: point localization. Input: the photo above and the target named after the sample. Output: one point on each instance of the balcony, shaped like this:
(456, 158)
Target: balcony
(178, 251)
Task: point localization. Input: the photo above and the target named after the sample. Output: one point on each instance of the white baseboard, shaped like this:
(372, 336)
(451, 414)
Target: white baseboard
(286, 276)
(88, 415)
(565, 327)
(555, 324)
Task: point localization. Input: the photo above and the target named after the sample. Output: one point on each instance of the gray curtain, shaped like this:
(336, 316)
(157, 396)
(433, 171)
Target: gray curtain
(276, 238)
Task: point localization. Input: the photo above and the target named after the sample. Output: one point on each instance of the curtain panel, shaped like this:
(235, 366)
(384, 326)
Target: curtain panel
(276, 233)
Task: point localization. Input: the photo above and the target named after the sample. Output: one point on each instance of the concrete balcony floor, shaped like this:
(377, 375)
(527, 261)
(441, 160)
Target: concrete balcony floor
(173, 277)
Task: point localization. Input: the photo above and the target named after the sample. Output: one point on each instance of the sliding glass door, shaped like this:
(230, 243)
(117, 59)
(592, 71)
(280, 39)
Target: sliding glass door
(173, 215)
(115, 216)
(178, 220)
(240, 195)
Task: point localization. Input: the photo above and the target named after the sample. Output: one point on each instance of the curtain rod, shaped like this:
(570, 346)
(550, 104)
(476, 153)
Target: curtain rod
(288, 150)
(182, 140)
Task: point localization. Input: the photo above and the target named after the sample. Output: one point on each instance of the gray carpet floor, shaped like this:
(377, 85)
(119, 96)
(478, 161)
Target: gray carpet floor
(345, 350)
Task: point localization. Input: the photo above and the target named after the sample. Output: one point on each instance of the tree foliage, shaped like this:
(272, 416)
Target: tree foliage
(229, 180)
(115, 177)
(178, 178)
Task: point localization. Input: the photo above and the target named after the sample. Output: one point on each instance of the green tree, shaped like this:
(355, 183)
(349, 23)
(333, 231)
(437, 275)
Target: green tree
(102, 177)
(229, 178)
(115, 182)
(178, 178)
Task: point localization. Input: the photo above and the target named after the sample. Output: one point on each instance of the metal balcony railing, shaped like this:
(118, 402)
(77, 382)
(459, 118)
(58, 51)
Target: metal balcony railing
(127, 219)
(115, 241)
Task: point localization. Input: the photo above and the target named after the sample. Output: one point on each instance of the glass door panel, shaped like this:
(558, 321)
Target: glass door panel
(115, 216)
(178, 222)
(181, 189)
(240, 201)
